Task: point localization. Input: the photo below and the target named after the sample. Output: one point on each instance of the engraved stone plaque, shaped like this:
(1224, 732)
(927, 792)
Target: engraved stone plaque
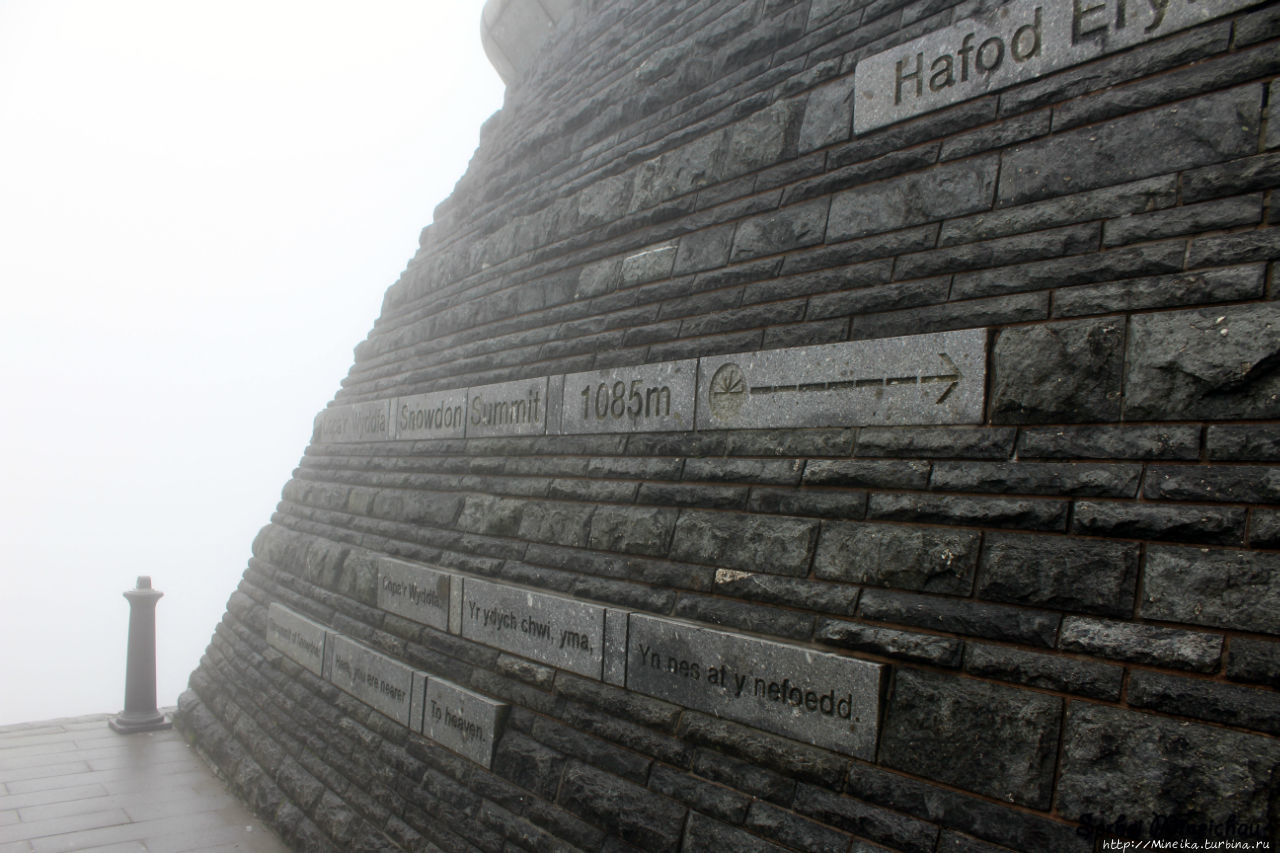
(296, 636)
(375, 679)
(462, 720)
(359, 422)
(1018, 41)
(441, 414)
(916, 379)
(643, 398)
(414, 592)
(555, 630)
(508, 408)
(816, 697)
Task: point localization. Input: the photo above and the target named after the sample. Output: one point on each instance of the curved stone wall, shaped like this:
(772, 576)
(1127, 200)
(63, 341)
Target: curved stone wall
(809, 425)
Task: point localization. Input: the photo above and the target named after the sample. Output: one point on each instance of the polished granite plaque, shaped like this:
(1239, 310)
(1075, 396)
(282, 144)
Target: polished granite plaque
(641, 398)
(462, 720)
(936, 378)
(825, 699)
(296, 636)
(415, 592)
(555, 630)
(380, 682)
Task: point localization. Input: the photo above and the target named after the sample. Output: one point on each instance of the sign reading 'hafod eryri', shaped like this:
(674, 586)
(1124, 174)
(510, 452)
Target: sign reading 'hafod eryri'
(1016, 42)
(935, 379)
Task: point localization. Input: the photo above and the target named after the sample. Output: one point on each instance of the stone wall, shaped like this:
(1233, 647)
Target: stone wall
(939, 508)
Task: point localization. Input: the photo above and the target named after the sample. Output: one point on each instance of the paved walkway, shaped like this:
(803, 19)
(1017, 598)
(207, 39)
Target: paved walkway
(75, 784)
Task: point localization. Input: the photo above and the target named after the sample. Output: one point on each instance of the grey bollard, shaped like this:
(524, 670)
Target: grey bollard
(140, 713)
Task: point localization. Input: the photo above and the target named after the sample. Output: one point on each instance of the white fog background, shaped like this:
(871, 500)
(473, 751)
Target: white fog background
(201, 205)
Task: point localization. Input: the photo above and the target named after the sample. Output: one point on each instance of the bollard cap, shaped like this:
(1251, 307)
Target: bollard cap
(144, 582)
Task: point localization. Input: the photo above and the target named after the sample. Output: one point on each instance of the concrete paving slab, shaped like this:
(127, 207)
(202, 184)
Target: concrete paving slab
(76, 785)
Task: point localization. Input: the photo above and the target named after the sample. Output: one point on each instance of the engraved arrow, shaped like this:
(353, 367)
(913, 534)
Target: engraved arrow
(953, 376)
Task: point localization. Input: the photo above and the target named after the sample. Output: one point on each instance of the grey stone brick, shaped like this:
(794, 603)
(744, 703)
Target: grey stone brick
(992, 740)
(707, 835)
(1044, 478)
(1218, 588)
(1251, 442)
(832, 504)
(556, 521)
(789, 228)
(748, 617)
(1253, 660)
(1123, 764)
(959, 616)
(1240, 247)
(791, 829)
(1243, 707)
(885, 166)
(1002, 134)
(828, 115)
(952, 189)
(913, 558)
(1037, 669)
(770, 544)
(937, 442)
(1208, 525)
(1186, 219)
(1019, 248)
(715, 800)
(876, 474)
(1060, 372)
(632, 530)
(1264, 528)
(901, 645)
(1262, 24)
(650, 821)
(979, 817)
(1273, 116)
(706, 497)
(1147, 259)
(1223, 483)
(788, 760)
(930, 291)
(1110, 442)
(707, 248)
(1137, 197)
(1065, 573)
(1145, 644)
(862, 249)
(953, 509)
(787, 591)
(888, 827)
(1120, 150)
(786, 472)
(1245, 175)
(1167, 291)
(953, 315)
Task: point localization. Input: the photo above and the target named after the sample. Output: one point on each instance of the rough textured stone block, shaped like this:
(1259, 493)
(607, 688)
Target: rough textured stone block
(1084, 575)
(828, 115)
(1058, 372)
(1199, 586)
(949, 190)
(1119, 150)
(949, 509)
(1210, 525)
(1211, 363)
(936, 442)
(1169, 291)
(771, 544)
(993, 740)
(975, 618)
(914, 558)
(789, 228)
(1110, 442)
(1122, 764)
(902, 645)
(1145, 644)
(1255, 661)
(1036, 669)
(1242, 707)
(1074, 479)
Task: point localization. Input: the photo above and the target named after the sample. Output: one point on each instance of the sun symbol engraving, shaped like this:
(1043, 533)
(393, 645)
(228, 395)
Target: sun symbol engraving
(727, 390)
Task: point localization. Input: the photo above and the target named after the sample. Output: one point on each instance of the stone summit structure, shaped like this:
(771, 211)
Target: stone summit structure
(820, 425)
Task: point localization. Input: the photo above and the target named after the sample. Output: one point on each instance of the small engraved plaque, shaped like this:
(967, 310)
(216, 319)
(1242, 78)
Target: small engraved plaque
(820, 698)
(296, 636)
(359, 422)
(414, 592)
(508, 408)
(644, 398)
(555, 630)
(917, 379)
(462, 720)
(375, 679)
(1018, 41)
(441, 414)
